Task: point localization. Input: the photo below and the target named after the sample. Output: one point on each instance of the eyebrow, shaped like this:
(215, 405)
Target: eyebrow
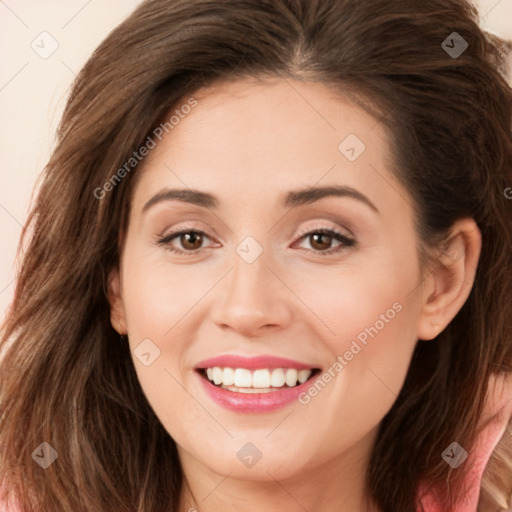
(313, 194)
(291, 200)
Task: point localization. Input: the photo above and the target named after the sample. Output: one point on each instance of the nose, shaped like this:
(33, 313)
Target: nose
(252, 299)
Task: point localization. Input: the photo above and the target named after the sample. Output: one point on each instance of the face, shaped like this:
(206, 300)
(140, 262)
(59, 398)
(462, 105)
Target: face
(291, 239)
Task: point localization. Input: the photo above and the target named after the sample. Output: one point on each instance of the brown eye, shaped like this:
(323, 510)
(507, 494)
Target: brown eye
(191, 240)
(186, 241)
(320, 241)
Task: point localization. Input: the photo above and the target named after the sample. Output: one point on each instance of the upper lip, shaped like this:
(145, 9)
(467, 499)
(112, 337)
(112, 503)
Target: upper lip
(252, 363)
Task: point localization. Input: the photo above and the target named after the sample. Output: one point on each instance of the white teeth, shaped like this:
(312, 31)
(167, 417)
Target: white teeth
(262, 379)
(304, 375)
(291, 377)
(242, 378)
(228, 377)
(277, 379)
(217, 375)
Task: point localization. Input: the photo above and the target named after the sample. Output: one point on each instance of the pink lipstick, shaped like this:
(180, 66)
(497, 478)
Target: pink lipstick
(254, 384)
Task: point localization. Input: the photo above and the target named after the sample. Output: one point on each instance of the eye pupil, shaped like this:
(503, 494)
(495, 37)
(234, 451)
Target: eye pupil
(190, 238)
(318, 238)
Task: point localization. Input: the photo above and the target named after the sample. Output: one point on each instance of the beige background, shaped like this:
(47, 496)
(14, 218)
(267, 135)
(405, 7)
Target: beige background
(33, 92)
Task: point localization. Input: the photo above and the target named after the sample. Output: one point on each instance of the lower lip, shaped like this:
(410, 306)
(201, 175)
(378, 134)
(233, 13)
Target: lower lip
(254, 402)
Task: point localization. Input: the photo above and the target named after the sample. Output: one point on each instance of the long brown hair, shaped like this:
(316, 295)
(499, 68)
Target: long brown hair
(67, 378)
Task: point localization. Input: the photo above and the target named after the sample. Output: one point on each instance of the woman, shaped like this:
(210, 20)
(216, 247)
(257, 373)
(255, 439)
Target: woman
(270, 267)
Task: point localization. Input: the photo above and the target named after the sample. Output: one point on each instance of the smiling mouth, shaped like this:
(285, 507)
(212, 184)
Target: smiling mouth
(263, 380)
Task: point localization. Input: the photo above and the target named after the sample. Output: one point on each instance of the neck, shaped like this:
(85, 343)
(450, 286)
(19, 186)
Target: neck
(336, 484)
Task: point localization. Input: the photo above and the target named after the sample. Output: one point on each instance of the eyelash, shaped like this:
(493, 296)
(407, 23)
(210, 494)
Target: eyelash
(346, 241)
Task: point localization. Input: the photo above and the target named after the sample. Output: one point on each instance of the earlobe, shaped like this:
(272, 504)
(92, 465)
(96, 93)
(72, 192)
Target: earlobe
(451, 279)
(117, 313)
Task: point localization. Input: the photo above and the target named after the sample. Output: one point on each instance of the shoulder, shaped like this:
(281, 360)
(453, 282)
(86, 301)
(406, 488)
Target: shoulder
(496, 416)
(496, 481)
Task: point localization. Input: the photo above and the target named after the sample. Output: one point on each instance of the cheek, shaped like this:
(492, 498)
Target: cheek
(363, 303)
(377, 354)
(158, 294)
(370, 314)
(366, 373)
(161, 304)
(370, 361)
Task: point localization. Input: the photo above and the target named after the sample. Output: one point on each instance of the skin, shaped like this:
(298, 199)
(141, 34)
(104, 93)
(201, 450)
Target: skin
(249, 143)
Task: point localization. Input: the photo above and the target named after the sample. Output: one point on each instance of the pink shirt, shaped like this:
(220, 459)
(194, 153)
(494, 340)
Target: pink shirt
(499, 401)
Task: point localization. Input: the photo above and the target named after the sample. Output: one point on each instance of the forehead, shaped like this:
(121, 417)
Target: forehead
(265, 137)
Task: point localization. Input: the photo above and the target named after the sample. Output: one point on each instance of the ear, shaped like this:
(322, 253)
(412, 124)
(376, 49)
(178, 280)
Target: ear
(117, 312)
(449, 283)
